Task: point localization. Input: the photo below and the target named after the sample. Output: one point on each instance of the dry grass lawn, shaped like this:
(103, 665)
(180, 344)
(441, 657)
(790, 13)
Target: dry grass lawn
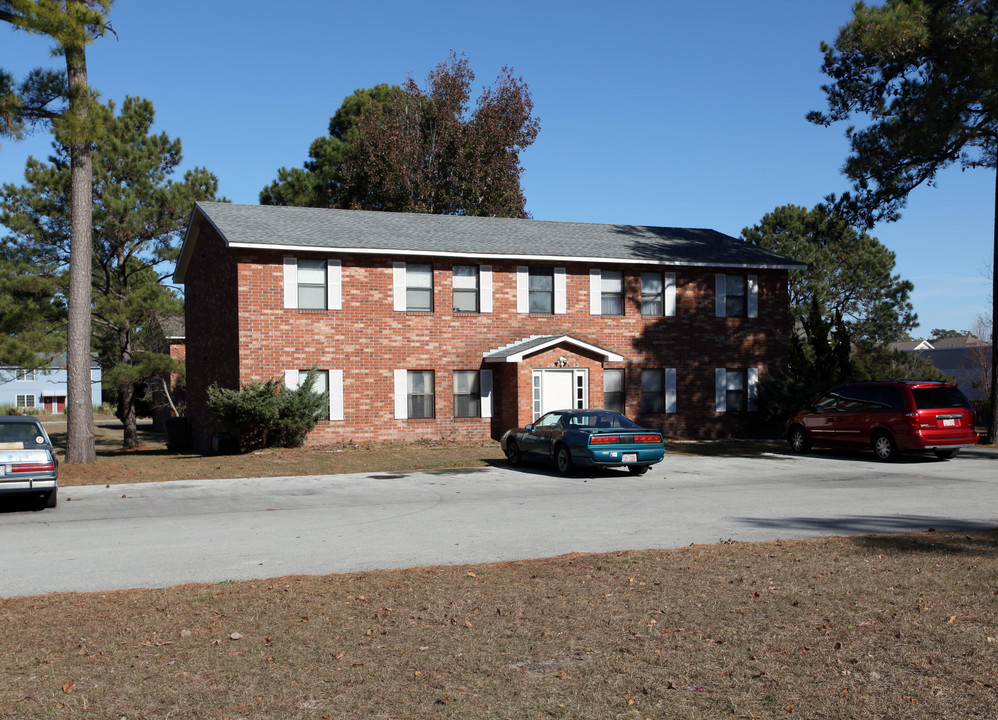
(901, 626)
(868, 627)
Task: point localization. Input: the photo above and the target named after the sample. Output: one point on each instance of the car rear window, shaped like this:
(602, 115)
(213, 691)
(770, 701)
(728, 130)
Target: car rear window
(19, 432)
(936, 398)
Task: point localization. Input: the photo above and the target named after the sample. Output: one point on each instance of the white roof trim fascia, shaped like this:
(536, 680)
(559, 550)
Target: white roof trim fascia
(498, 256)
(607, 354)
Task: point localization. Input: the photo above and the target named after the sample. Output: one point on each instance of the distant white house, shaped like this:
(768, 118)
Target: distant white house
(43, 388)
(965, 358)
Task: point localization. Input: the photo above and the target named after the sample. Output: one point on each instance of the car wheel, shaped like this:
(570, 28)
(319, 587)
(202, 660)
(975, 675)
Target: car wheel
(563, 458)
(946, 454)
(638, 469)
(513, 453)
(885, 447)
(799, 441)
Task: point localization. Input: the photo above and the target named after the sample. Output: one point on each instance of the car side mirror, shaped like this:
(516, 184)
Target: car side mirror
(529, 428)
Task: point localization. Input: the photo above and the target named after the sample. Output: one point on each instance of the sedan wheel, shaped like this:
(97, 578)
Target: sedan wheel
(885, 447)
(513, 453)
(564, 460)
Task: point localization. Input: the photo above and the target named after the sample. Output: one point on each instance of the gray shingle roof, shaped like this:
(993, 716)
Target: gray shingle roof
(305, 229)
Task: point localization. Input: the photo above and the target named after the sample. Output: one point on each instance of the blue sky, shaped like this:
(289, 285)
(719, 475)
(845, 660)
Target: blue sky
(652, 113)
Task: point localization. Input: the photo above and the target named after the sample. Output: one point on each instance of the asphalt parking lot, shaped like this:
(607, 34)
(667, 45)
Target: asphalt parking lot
(162, 534)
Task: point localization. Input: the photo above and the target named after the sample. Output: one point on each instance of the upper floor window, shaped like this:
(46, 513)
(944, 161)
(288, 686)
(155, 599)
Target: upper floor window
(466, 288)
(658, 294)
(311, 284)
(737, 295)
(612, 293)
(419, 287)
(541, 287)
(24, 375)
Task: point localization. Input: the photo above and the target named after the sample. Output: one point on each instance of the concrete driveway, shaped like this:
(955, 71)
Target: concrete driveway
(161, 534)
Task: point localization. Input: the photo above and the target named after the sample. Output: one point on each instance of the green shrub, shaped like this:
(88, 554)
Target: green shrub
(268, 414)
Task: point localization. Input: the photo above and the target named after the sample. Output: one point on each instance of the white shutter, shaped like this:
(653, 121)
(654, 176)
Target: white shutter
(334, 285)
(560, 292)
(720, 390)
(485, 388)
(398, 285)
(753, 387)
(595, 291)
(522, 289)
(291, 282)
(670, 294)
(752, 301)
(401, 392)
(336, 395)
(485, 288)
(670, 390)
(720, 295)
(291, 379)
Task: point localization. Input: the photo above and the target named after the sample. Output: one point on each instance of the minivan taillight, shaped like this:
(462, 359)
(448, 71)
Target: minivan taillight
(912, 418)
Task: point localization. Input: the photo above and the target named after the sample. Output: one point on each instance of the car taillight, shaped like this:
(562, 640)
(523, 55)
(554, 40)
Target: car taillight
(601, 439)
(648, 438)
(912, 418)
(32, 467)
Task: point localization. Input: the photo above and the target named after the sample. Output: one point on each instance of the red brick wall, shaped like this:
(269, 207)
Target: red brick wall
(367, 339)
(211, 321)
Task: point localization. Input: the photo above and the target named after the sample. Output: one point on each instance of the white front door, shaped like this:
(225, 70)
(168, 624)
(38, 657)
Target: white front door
(559, 390)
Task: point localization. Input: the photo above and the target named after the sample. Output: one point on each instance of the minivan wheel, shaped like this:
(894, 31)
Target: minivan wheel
(885, 447)
(946, 454)
(798, 439)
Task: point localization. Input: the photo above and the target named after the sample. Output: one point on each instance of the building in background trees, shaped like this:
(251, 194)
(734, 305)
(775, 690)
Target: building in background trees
(67, 102)
(922, 77)
(139, 213)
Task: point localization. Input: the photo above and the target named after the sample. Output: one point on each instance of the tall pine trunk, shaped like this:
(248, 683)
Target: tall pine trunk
(79, 403)
(993, 393)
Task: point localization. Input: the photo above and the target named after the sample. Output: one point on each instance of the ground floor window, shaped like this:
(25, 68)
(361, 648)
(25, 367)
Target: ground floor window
(467, 394)
(736, 389)
(321, 387)
(613, 389)
(420, 394)
(25, 401)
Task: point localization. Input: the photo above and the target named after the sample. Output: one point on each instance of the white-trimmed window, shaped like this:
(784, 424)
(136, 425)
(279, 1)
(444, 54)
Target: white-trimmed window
(658, 294)
(24, 375)
(735, 389)
(541, 290)
(736, 295)
(658, 391)
(606, 292)
(414, 394)
(613, 389)
(327, 382)
(472, 393)
(312, 284)
(412, 285)
(472, 288)
(25, 401)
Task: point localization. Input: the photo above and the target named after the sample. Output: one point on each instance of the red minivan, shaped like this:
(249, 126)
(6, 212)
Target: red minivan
(887, 417)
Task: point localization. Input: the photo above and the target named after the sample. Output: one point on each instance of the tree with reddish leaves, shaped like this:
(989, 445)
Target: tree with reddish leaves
(426, 151)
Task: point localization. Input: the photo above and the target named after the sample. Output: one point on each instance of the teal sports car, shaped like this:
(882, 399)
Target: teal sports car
(585, 438)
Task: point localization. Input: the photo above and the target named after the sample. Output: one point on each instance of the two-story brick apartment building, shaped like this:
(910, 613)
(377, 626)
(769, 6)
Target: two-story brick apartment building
(428, 326)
